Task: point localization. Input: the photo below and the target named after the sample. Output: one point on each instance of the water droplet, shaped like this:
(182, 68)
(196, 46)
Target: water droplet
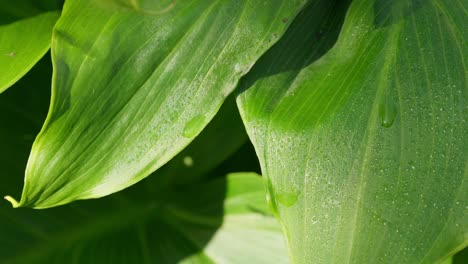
(271, 200)
(388, 113)
(287, 199)
(313, 220)
(194, 126)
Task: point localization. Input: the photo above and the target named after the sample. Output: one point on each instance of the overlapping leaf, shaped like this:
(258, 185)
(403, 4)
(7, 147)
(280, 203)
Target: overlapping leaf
(211, 222)
(25, 35)
(365, 148)
(130, 90)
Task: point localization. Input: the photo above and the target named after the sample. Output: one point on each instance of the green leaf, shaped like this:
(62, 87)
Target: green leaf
(211, 222)
(131, 90)
(364, 148)
(147, 7)
(24, 108)
(25, 35)
(194, 163)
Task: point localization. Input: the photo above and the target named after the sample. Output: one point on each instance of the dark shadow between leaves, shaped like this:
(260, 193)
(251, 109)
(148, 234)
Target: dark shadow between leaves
(310, 36)
(461, 257)
(244, 159)
(12, 11)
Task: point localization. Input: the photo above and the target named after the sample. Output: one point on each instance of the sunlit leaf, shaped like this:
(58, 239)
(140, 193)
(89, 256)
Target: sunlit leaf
(25, 35)
(364, 148)
(130, 90)
(210, 222)
(193, 163)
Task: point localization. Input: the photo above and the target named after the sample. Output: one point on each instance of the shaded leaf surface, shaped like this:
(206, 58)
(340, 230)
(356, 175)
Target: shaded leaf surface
(461, 257)
(364, 149)
(215, 221)
(131, 90)
(25, 36)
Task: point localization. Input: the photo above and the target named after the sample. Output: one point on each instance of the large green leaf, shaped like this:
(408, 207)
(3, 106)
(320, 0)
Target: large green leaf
(130, 90)
(25, 35)
(225, 220)
(365, 148)
(24, 110)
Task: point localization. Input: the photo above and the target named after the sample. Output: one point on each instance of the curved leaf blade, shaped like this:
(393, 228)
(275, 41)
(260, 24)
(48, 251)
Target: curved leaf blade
(364, 149)
(208, 222)
(23, 41)
(131, 90)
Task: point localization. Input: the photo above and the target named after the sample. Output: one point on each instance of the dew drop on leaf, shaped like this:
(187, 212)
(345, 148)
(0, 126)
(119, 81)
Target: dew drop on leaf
(271, 199)
(388, 113)
(287, 199)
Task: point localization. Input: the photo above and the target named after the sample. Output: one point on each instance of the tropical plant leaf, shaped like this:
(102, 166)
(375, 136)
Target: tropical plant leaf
(25, 35)
(130, 90)
(210, 222)
(364, 149)
(26, 108)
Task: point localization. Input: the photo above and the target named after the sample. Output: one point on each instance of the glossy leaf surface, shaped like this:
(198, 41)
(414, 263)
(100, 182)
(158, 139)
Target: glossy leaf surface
(25, 36)
(215, 221)
(364, 148)
(130, 90)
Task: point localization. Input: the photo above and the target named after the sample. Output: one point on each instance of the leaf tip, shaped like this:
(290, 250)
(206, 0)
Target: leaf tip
(12, 200)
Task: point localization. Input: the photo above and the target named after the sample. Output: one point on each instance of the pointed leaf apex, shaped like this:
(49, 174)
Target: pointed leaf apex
(12, 200)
